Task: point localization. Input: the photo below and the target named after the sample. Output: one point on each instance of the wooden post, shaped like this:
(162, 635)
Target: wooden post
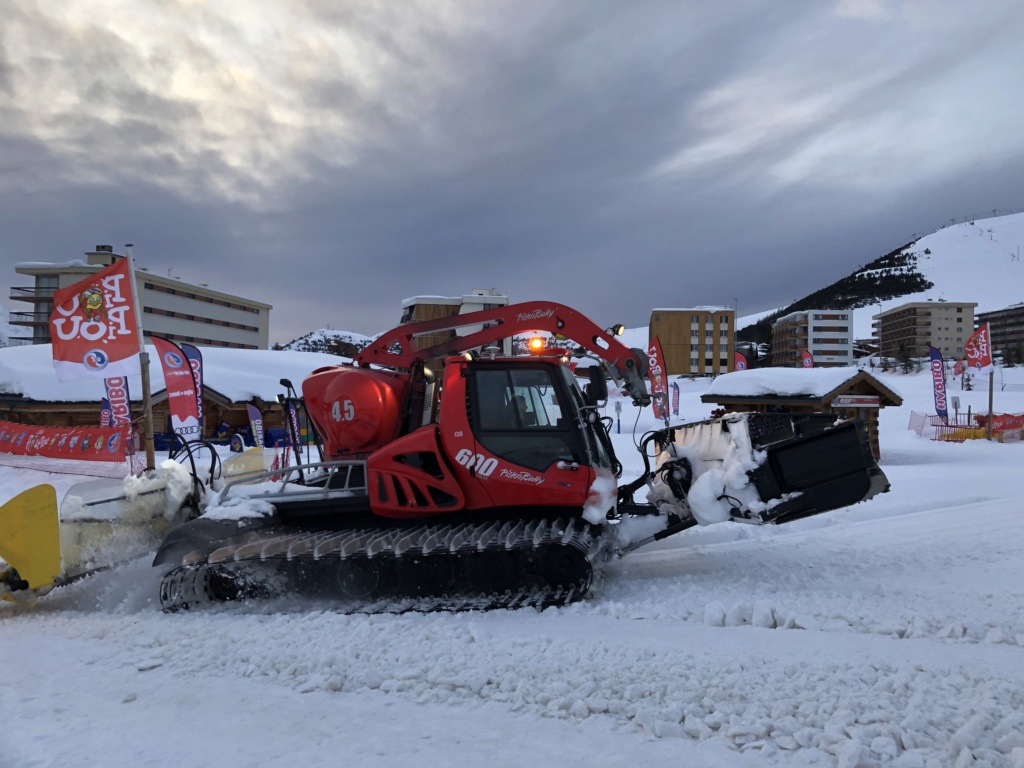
(991, 380)
(147, 413)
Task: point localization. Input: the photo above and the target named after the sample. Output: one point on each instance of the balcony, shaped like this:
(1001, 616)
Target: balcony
(29, 318)
(31, 293)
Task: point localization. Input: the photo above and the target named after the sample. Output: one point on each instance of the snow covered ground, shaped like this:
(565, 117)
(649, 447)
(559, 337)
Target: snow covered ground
(888, 633)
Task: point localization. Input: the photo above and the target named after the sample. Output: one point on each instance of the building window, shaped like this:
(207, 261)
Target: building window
(709, 334)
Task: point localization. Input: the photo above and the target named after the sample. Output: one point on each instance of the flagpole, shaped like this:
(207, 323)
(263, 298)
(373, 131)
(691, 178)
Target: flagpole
(147, 406)
(988, 429)
(147, 413)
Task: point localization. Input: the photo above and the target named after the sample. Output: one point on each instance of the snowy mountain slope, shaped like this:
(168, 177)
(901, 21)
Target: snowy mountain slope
(328, 340)
(976, 261)
(888, 633)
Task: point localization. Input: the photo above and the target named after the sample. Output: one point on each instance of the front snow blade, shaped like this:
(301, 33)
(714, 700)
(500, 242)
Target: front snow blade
(102, 524)
(29, 542)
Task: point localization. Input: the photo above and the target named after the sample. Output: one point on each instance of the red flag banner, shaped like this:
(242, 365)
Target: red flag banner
(806, 359)
(739, 362)
(978, 351)
(181, 388)
(94, 327)
(81, 443)
(958, 367)
(659, 386)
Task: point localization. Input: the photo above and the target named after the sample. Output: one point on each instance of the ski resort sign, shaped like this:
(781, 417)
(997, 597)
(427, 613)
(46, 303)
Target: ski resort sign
(855, 401)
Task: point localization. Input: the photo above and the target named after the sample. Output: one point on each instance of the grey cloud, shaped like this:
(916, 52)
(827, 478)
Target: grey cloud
(512, 147)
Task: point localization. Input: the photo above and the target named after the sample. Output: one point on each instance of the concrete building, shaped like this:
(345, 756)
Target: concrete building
(909, 329)
(826, 333)
(419, 308)
(696, 341)
(170, 307)
(1007, 328)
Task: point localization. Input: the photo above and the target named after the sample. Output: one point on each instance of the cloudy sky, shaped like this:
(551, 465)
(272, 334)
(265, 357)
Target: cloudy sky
(332, 158)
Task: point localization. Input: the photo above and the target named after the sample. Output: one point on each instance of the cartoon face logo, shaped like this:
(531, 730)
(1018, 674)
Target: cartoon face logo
(91, 302)
(95, 360)
(173, 360)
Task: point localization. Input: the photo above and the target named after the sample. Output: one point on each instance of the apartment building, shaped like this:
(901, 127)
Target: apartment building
(909, 329)
(696, 341)
(1007, 328)
(170, 307)
(826, 333)
(418, 308)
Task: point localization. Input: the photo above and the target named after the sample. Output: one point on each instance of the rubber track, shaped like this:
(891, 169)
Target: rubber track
(245, 566)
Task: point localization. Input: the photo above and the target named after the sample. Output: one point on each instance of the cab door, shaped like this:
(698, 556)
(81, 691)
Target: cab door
(520, 445)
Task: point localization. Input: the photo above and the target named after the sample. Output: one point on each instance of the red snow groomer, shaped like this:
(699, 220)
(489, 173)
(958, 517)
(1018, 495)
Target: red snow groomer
(459, 476)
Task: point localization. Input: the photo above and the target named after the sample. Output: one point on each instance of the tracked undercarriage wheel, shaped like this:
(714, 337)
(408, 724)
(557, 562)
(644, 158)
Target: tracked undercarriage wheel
(493, 572)
(425, 576)
(225, 585)
(358, 578)
(564, 567)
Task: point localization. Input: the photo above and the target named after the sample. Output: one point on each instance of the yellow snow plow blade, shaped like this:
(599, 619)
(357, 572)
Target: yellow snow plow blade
(29, 540)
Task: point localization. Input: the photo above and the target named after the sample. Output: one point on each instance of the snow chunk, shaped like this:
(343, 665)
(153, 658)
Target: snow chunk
(722, 457)
(600, 498)
(239, 506)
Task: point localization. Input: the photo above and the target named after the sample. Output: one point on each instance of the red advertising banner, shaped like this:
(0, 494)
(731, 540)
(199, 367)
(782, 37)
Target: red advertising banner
(1003, 421)
(958, 367)
(181, 388)
(79, 443)
(978, 351)
(94, 327)
(659, 386)
(739, 362)
(806, 359)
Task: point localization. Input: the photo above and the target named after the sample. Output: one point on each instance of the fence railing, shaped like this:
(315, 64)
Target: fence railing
(959, 428)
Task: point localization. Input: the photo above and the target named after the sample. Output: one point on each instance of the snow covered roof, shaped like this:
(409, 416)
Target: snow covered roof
(811, 383)
(52, 264)
(698, 308)
(238, 374)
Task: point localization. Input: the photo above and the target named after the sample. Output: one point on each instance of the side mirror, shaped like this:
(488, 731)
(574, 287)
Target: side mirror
(597, 389)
